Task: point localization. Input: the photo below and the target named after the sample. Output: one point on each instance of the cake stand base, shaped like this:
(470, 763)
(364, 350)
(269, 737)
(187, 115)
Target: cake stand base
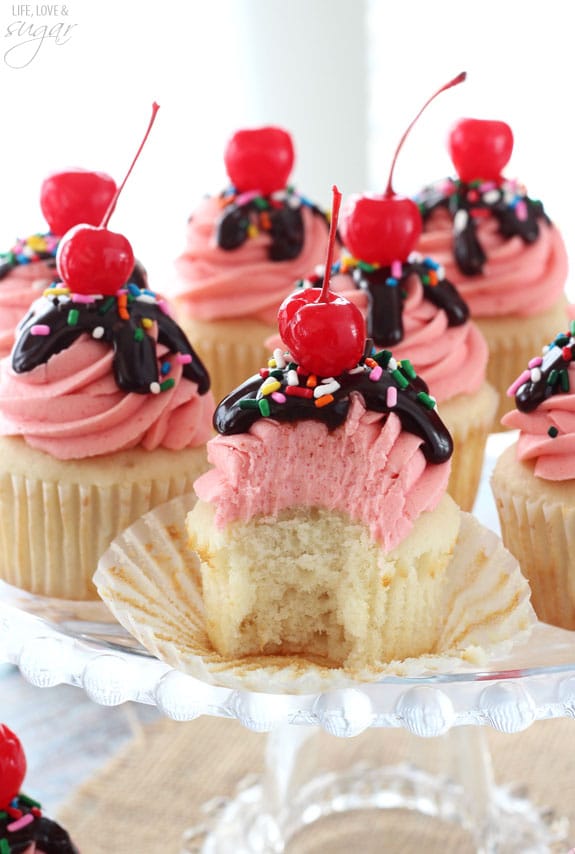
(270, 814)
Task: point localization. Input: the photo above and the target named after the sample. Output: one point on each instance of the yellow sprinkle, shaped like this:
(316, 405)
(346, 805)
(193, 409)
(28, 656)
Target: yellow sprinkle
(55, 292)
(147, 323)
(253, 231)
(272, 363)
(270, 386)
(37, 242)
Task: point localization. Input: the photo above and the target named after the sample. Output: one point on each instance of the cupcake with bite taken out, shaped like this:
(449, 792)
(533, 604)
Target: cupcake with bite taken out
(534, 480)
(498, 247)
(104, 413)
(244, 250)
(66, 199)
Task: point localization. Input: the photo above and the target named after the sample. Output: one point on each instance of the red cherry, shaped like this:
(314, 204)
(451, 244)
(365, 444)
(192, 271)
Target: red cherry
(93, 260)
(259, 159)
(325, 333)
(384, 228)
(480, 148)
(74, 196)
(12, 766)
(380, 229)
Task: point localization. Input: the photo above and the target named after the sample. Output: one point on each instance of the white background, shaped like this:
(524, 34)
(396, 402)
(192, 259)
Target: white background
(344, 76)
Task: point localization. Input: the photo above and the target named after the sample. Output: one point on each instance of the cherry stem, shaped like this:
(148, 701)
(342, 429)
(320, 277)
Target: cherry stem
(335, 205)
(113, 203)
(456, 80)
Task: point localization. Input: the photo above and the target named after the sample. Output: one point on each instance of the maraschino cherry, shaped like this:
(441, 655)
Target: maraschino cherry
(383, 228)
(480, 148)
(324, 333)
(73, 196)
(12, 766)
(92, 259)
(259, 159)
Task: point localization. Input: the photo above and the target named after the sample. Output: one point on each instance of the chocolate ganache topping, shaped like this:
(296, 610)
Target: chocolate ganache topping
(279, 215)
(467, 203)
(286, 393)
(37, 247)
(546, 375)
(59, 317)
(385, 288)
(22, 824)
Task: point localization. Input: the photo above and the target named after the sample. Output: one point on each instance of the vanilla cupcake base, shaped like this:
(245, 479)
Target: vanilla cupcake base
(469, 418)
(538, 526)
(232, 350)
(513, 341)
(58, 517)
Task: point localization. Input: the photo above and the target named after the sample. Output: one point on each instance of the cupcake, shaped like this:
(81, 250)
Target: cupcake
(244, 250)
(23, 827)
(104, 413)
(534, 480)
(66, 199)
(498, 247)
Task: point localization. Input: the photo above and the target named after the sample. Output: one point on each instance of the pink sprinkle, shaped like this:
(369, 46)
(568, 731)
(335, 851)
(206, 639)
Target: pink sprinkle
(487, 185)
(244, 198)
(40, 329)
(22, 822)
(523, 378)
(375, 373)
(278, 397)
(391, 398)
(163, 306)
(521, 210)
(534, 363)
(183, 358)
(396, 269)
(84, 298)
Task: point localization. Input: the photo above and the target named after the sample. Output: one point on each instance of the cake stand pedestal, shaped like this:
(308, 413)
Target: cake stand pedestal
(535, 681)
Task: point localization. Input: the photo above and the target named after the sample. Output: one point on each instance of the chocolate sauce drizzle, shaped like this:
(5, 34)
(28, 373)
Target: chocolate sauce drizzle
(115, 321)
(280, 215)
(413, 406)
(547, 376)
(386, 294)
(515, 212)
(48, 835)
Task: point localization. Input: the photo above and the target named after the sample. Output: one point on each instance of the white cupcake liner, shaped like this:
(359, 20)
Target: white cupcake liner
(151, 582)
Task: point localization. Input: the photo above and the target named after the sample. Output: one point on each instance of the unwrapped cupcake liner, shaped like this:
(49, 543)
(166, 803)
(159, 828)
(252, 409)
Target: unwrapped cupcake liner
(511, 350)
(151, 582)
(541, 535)
(52, 533)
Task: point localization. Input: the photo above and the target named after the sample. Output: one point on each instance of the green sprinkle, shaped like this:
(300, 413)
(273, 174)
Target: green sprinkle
(564, 380)
(426, 399)
(29, 802)
(264, 406)
(107, 305)
(572, 327)
(399, 378)
(4, 846)
(425, 279)
(277, 374)
(73, 317)
(292, 366)
(3, 815)
(552, 378)
(561, 340)
(169, 383)
(261, 203)
(553, 431)
(138, 334)
(408, 369)
(248, 403)
(368, 268)
(382, 358)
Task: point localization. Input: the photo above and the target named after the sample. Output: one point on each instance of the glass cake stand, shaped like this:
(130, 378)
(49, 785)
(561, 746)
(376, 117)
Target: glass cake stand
(53, 644)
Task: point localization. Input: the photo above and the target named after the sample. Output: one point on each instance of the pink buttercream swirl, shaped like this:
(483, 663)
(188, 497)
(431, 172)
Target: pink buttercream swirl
(451, 359)
(214, 283)
(518, 278)
(18, 290)
(368, 469)
(554, 458)
(72, 408)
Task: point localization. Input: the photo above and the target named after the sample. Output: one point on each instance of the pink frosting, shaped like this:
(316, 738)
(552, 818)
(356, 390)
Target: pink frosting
(72, 408)
(437, 351)
(554, 458)
(368, 469)
(18, 290)
(518, 278)
(214, 283)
